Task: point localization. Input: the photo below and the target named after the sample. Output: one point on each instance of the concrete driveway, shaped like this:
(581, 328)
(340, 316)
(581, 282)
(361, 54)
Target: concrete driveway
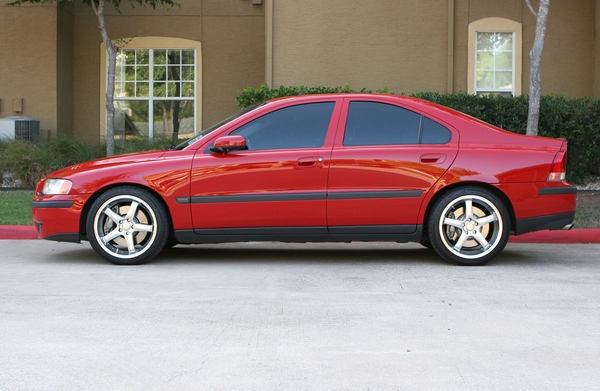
(273, 316)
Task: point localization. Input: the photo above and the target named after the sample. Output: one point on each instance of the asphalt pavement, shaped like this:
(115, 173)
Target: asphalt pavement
(272, 316)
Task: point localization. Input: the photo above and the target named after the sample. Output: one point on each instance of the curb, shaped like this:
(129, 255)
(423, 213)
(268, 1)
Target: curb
(580, 235)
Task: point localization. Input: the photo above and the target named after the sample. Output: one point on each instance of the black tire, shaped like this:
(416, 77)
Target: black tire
(469, 226)
(124, 235)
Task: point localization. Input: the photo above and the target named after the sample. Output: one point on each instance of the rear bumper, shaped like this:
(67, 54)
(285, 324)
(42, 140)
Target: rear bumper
(553, 222)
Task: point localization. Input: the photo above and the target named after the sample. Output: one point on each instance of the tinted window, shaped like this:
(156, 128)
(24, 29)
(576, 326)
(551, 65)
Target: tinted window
(434, 133)
(302, 126)
(371, 123)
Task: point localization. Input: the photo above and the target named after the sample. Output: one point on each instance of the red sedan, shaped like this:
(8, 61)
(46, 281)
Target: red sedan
(318, 168)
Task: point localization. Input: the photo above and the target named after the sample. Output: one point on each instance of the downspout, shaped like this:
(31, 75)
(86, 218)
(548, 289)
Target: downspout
(450, 76)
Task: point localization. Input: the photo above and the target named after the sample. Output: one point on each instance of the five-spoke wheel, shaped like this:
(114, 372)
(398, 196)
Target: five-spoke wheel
(469, 226)
(127, 226)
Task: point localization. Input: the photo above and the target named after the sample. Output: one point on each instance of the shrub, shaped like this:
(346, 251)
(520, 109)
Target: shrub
(30, 162)
(577, 120)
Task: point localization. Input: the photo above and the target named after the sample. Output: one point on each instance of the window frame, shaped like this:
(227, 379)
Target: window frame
(155, 43)
(496, 25)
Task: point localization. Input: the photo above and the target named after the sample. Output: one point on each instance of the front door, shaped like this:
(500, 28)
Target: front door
(278, 185)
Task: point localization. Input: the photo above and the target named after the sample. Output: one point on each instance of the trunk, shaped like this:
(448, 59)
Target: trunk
(111, 53)
(176, 104)
(535, 56)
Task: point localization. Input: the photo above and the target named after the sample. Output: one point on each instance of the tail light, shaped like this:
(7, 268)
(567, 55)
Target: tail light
(559, 167)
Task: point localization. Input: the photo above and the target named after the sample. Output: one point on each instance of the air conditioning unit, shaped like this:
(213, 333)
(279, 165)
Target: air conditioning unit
(20, 128)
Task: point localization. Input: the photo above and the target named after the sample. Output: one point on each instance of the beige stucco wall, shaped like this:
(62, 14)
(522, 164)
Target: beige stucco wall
(365, 44)
(403, 45)
(28, 47)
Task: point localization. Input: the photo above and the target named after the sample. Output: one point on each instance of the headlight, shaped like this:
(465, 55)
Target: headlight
(57, 186)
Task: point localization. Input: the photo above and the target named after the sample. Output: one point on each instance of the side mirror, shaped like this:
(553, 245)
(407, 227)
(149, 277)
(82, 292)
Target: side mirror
(229, 143)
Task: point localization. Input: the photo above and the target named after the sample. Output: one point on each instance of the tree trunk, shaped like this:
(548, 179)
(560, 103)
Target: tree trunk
(111, 52)
(535, 56)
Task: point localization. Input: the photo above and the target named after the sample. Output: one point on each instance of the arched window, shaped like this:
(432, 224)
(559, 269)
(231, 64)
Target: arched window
(495, 57)
(157, 88)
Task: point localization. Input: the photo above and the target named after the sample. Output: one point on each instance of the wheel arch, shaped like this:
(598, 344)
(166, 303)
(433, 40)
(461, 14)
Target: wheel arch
(90, 201)
(494, 190)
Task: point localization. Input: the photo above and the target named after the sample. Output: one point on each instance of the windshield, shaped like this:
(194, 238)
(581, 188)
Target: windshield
(214, 127)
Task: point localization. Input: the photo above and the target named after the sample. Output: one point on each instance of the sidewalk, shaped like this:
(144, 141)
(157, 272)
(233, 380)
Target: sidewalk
(580, 235)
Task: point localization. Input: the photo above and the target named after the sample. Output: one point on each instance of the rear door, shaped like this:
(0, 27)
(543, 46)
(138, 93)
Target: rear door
(385, 159)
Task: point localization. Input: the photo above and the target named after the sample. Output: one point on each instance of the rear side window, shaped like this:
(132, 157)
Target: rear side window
(301, 126)
(434, 133)
(372, 123)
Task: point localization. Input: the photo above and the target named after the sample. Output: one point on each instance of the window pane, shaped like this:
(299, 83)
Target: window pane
(187, 90)
(302, 126)
(160, 57)
(371, 123)
(160, 90)
(131, 118)
(485, 41)
(141, 89)
(173, 89)
(129, 56)
(504, 60)
(503, 41)
(485, 79)
(503, 80)
(142, 56)
(187, 73)
(485, 60)
(142, 73)
(174, 73)
(160, 73)
(129, 73)
(174, 56)
(434, 133)
(188, 57)
(174, 117)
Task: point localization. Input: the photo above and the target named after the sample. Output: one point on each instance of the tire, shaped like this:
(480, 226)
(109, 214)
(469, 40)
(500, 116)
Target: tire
(127, 226)
(469, 226)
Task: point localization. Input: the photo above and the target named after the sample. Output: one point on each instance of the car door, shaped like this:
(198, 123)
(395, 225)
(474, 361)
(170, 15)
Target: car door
(276, 186)
(383, 164)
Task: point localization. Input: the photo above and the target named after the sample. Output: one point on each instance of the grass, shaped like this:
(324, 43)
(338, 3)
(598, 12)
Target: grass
(15, 208)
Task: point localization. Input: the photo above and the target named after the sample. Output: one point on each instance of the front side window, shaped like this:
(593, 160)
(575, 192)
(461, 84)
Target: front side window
(494, 69)
(371, 123)
(155, 93)
(301, 126)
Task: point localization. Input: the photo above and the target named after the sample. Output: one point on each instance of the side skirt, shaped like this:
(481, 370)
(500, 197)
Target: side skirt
(402, 234)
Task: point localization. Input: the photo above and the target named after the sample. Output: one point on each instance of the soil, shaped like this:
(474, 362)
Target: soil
(588, 209)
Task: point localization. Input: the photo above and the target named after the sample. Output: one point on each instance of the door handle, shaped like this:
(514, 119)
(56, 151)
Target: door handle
(433, 158)
(309, 161)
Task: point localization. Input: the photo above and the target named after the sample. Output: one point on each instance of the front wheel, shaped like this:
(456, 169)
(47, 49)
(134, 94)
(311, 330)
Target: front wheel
(469, 226)
(127, 226)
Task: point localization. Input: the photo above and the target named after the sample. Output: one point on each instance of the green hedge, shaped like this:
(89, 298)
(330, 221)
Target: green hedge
(577, 120)
(30, 162)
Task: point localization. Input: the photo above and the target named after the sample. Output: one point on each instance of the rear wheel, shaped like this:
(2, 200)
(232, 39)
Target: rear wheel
(469, 226)
(127, 226)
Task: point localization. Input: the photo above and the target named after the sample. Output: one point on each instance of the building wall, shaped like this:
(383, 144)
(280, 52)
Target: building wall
(28, 47)
(53, 56)
(365, 44)
(403, 45)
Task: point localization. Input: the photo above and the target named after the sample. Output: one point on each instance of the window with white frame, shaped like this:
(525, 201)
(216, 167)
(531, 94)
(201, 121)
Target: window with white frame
(155, 93)
(494, 66)
(495, 57)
